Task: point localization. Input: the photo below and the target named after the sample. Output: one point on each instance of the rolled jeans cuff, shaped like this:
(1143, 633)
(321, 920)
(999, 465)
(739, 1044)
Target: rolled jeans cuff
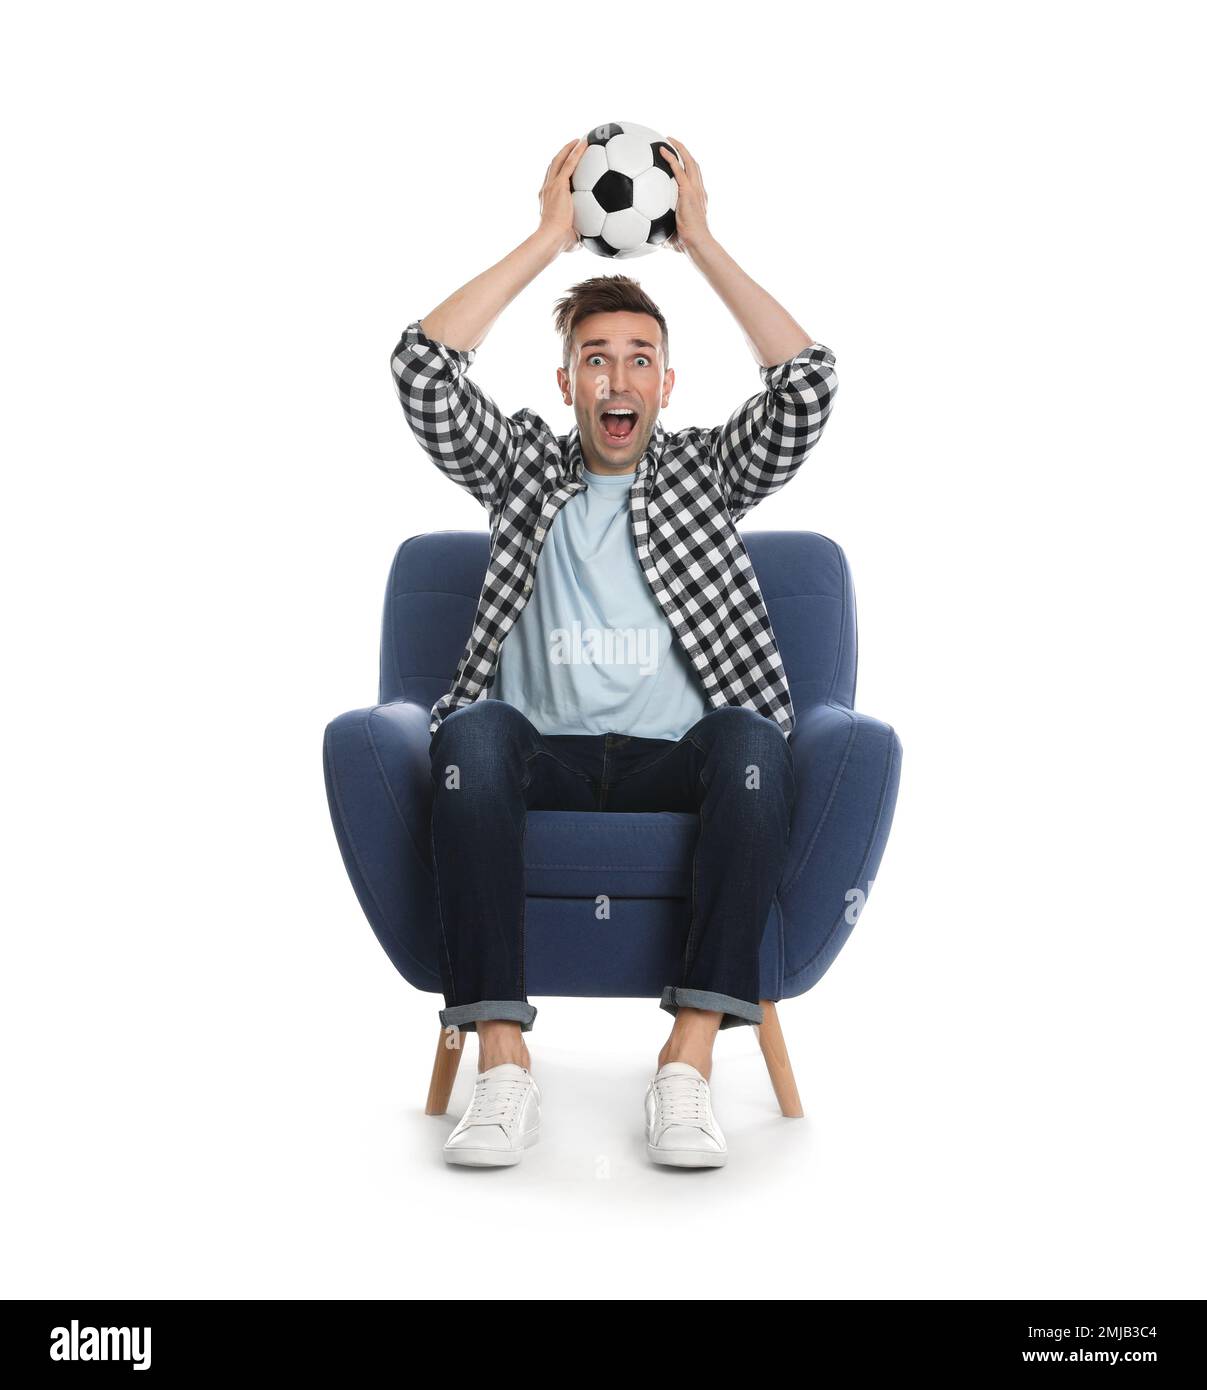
(735, 1011)
(465, 1016)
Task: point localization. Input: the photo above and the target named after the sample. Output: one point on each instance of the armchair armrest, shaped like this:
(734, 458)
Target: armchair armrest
(848, 768)
(379, 792)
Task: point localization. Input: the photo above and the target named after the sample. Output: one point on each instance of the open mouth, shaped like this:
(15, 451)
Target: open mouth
(618, 422)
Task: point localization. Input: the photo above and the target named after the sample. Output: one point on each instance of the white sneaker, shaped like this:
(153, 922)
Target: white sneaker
(680, 1128)
(503, 1119)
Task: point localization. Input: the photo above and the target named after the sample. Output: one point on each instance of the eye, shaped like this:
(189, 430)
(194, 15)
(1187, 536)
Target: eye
(644, 359)
(593, 356)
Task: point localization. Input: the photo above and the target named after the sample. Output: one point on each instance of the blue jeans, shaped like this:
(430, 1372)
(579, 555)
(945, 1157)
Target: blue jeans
(490, 766)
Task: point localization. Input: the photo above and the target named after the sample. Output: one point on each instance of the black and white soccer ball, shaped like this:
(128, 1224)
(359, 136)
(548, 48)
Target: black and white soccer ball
(624, 192)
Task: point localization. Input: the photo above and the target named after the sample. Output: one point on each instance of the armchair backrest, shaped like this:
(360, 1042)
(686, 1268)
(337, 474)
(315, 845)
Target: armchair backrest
(436, 580)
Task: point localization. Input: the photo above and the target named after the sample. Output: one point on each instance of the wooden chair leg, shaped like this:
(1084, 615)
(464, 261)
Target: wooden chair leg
(444, 1070)
(779, 1068)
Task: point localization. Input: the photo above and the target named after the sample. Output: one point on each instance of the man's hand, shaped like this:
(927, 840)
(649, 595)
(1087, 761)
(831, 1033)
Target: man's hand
(557, 202)
(691, 223)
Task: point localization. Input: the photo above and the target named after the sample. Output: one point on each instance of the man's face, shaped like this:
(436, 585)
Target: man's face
(616, 364)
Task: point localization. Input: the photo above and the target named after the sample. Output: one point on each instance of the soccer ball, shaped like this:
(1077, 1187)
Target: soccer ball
(624, 192)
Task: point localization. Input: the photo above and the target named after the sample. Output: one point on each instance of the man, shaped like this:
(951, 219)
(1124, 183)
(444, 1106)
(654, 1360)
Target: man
(639, 670)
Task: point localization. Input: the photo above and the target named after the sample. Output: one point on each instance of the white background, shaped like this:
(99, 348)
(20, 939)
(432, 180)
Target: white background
(219, 219)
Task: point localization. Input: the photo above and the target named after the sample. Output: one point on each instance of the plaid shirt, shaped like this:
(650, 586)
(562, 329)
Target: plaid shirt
(691, 488)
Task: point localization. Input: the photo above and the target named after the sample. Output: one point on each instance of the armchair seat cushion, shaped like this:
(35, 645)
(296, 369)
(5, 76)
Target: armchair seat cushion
(581, 854)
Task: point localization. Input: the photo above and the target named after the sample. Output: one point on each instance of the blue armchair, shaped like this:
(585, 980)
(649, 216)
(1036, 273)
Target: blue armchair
(847, 765)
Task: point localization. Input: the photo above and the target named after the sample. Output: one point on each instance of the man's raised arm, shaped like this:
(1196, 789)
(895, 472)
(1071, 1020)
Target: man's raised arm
(462, 430)
(765, 441)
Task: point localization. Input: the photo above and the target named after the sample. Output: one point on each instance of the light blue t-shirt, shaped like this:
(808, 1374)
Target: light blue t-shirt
(592, 652)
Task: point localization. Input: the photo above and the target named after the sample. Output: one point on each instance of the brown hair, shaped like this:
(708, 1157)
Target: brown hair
(604, 294)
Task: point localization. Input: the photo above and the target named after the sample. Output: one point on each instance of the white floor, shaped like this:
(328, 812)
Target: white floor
(262, 1135)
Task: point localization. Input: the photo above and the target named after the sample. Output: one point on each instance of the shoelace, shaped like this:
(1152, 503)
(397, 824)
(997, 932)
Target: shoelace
(494, 1098)
(682, 1100)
